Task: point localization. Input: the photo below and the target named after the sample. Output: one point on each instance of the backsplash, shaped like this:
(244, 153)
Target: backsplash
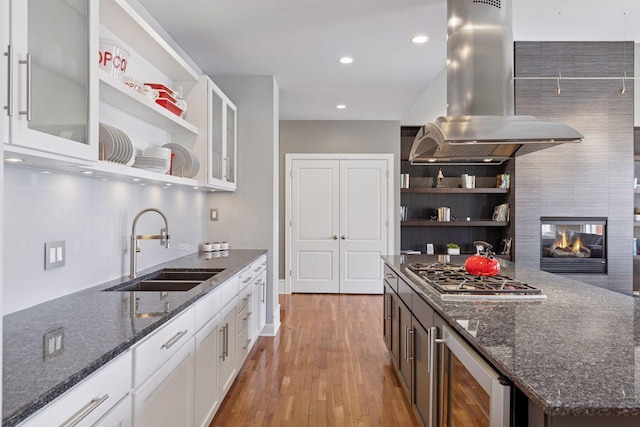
(94, 218)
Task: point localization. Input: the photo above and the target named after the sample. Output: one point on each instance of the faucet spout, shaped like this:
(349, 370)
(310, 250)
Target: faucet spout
(133, 259)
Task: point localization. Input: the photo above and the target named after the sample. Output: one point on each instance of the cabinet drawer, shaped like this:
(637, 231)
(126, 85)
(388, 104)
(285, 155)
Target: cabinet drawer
(244, 278)
(422, 311)
(405, 292)
(93, 397)
(155, 350)
(228, 291)
(207, 308)
(244, 298)
(391, 277)
(243, 315)
(258, 265)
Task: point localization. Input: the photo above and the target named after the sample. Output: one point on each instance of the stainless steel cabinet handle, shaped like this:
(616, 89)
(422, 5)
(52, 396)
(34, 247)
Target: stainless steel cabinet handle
(226, 340)
(406, 343)
(9, 55)
(389, 276)
(411, 343)
(27, 112)
(247, 345)
(174, 339)
(223, 339)
(84, 411)
(387, 314)
(247, 317)
(264, 290)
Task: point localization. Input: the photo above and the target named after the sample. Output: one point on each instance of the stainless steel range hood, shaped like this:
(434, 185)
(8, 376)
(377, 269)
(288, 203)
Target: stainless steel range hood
(480, 126)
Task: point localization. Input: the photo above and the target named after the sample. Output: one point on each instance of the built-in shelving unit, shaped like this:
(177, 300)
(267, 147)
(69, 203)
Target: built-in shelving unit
(422, 200)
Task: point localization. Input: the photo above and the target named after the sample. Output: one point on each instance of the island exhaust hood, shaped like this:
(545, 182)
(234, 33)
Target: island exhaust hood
(480, 126)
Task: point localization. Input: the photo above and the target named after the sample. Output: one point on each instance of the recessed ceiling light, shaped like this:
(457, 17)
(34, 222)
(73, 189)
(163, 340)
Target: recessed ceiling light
(419, 39)
(346, 60)
(195, 188)
(136, 179)
(87, 172)
(13, 160)
(341, 106)
(45, 172)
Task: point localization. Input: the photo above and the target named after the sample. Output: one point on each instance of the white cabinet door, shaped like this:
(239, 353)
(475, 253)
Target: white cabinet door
(339, 225)
(206, 374)
(227, 348)
(53, 60)
(363, 225)
(166, 398)
(315, 212)
(119, 416)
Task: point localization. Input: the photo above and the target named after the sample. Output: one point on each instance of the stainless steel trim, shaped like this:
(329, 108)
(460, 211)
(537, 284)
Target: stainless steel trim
(9, 55)
(174, 339)
(412, 338)
(27, 112)
(484, 374)
(84, 411)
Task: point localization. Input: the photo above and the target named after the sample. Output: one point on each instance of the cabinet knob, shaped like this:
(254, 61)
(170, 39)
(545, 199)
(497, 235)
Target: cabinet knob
(335, 237)
(343, 237)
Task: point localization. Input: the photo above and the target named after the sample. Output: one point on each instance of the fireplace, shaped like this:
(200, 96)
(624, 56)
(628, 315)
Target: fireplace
(573, 245)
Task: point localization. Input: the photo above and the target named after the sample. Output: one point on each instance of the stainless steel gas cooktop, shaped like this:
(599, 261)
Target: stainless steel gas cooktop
(453, 282)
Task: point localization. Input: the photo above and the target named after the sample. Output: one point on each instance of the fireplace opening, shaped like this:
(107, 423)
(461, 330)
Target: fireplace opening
(573, 245)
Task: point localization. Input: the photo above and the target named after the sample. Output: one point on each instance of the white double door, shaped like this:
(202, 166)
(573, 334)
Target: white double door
(339, 225)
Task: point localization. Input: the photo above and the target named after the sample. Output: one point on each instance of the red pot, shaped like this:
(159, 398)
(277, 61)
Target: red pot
(482, 265)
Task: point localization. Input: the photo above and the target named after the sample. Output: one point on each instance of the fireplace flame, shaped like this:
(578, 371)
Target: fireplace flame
(563, 243)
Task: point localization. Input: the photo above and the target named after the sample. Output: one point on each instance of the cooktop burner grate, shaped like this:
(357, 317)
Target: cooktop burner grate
(453, 281)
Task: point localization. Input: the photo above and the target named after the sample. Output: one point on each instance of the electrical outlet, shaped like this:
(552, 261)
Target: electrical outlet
(54, 254)
(53, 344)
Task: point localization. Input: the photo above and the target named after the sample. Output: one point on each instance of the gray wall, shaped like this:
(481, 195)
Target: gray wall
(593, 178)
(94, 218)
(319, 136)
(248, 218)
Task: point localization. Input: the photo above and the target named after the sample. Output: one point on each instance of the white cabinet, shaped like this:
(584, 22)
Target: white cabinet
(89, 400)
(259, 299)
(216, 117)
(243, 324)
(52, 64)
(164, 375)
(227, 348)
(119, 416)
(166, 398)
(207, 399)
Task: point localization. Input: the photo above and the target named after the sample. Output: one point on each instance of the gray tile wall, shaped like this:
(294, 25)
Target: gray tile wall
(593, 178)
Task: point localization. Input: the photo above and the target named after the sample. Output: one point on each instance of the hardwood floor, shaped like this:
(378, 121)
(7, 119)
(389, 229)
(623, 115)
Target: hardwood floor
(328, 366)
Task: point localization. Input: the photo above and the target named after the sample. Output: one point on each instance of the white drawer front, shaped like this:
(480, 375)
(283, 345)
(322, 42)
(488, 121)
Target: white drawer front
(155, 350)
(258, 265)
(90, 399)
(228, 291)
(207, 307)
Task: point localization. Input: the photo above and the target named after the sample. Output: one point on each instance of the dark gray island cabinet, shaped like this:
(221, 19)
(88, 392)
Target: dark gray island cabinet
(571, 359)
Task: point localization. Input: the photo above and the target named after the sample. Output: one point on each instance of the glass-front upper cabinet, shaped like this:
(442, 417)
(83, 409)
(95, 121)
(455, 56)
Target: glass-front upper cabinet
(222, 140)
(52, 61)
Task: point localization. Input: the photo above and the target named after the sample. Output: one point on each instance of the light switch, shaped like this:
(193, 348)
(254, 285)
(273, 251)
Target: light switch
(213, 214)
(54, 254)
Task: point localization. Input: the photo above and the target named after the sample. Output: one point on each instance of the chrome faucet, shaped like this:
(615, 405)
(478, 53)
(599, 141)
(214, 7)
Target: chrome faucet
(134, 239)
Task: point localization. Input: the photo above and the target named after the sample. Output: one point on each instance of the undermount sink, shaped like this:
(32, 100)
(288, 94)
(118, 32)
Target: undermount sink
(168, 280)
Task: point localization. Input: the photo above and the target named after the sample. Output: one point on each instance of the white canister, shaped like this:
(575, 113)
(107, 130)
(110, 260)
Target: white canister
(215, 246)
(224, 246)
(207, 247)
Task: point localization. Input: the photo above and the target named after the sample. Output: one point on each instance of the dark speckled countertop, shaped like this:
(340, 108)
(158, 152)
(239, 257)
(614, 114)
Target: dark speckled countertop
(98, 326)
(575, 353)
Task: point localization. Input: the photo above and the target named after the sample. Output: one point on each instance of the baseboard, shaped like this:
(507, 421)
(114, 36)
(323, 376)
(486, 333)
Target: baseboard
(282, 287)
(271, 329)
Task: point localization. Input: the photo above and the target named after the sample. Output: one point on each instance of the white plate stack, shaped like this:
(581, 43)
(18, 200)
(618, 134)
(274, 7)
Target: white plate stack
(156, 159)
(115, 145)
(185, 163)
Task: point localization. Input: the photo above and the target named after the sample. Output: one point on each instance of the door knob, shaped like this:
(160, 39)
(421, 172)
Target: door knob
(335, 237)
(343, 237)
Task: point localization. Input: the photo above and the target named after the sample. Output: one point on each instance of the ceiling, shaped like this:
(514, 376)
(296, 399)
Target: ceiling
(300, 41)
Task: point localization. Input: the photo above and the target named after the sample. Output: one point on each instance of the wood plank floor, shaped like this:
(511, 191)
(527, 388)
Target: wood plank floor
(328, 366)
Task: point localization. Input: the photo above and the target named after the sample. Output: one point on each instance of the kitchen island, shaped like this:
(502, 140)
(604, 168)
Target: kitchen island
(98, 327)
(575, 355)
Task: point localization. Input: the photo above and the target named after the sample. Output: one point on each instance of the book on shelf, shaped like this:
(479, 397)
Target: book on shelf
(409, 252)
(501, 212)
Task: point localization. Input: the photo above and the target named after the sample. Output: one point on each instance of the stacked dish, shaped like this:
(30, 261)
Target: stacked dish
(157, 159)
(184, 163)
(115, 145)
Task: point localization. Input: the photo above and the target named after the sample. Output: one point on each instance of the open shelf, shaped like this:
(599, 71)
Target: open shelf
(446, 190)
(118, 94)
(120, 18)
(473, 223)
(120, 171)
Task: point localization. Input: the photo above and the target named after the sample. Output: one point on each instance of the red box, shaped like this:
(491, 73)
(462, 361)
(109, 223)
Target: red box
(169, 106)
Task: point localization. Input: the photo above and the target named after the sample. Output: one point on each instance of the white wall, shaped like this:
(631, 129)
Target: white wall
(430, 105)
(248, 218)
(338, 136)
(94, 218)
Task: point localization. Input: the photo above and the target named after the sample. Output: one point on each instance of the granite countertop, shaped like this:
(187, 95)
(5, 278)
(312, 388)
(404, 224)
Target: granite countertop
(98, 326)
(575, 353)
